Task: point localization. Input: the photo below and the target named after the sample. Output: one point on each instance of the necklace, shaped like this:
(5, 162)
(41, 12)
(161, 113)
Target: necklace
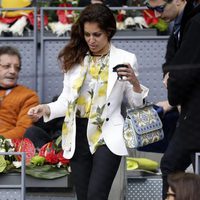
(99, 55)
(101, 61)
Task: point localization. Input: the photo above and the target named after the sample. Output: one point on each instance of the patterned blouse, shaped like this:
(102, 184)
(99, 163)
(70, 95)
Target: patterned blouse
(92, 97)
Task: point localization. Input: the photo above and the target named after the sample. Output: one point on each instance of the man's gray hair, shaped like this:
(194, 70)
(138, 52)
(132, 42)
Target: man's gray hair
(9, 50)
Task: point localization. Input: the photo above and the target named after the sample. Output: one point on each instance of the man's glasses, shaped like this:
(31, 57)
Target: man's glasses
(159, 9)
(7, 66)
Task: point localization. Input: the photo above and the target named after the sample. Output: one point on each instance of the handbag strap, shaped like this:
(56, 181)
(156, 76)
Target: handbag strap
(146, 103)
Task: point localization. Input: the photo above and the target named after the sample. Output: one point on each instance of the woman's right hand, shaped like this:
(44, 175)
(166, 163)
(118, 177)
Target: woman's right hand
(37, 112)
(165, 105)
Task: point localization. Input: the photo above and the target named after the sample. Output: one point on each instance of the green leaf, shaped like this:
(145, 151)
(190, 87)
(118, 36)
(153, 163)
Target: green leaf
(1, 137)
(2, 163)
(161, 25)
(38, 160)
(46, 171)
(58, 140)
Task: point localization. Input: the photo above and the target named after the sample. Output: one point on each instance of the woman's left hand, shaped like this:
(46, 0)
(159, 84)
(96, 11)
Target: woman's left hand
(130, 76)
(165, 79)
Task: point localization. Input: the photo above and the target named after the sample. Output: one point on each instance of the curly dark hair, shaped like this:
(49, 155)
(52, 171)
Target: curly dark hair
(75, 51)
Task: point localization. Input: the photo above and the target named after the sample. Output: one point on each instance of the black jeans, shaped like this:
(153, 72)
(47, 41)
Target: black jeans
(93, 174)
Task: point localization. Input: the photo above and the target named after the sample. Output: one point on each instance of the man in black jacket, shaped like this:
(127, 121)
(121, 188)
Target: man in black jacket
(182, 72)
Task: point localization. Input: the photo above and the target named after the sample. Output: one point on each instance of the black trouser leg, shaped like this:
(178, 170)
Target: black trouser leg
(81, 169)
(81, 162)
(176, 158)
(105, 166)
(38, 136)
(92, 174)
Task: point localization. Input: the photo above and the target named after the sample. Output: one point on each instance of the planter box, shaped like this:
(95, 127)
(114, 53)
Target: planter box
(11, 188)
(137, 32)
(124, 33)
(15, 179)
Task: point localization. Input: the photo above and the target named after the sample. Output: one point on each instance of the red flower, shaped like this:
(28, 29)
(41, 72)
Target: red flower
(63, 160)
(150, 17)
(8, 20)
(31, 19)
(63, 14)
(24, 145)
(120, 17)
(49, 151)
(51, 158)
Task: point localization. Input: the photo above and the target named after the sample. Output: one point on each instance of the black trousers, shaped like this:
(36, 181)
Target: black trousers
(92, 174)
(38, 136)
(177, 157)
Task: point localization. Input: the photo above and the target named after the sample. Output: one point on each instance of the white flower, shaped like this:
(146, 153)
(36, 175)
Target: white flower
(140, 21)
(1, 141)
(121, 26)
(2, 150)
(12, 149)
(92, 84)
(18, 27)
(3, 28)
(59, 28)
(129, 21)
(59, 164)
(9, 141)
(17, 164)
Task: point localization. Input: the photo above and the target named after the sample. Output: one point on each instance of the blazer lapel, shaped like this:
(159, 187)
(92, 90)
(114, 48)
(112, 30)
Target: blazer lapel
(112, 76)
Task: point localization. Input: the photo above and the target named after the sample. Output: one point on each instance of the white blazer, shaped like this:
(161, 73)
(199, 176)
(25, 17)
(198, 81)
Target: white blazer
(112, 129)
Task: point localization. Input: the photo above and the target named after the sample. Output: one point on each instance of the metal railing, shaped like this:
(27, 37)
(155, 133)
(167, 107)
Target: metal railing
(20, 186)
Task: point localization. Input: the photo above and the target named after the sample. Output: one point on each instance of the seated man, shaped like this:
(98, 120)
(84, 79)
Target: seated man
(15, 100)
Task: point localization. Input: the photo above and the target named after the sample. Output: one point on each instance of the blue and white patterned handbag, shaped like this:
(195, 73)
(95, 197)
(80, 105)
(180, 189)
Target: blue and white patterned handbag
(142, 127)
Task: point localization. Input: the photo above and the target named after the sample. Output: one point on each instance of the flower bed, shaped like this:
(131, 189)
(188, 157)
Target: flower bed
(59, 20)
(47, 163)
